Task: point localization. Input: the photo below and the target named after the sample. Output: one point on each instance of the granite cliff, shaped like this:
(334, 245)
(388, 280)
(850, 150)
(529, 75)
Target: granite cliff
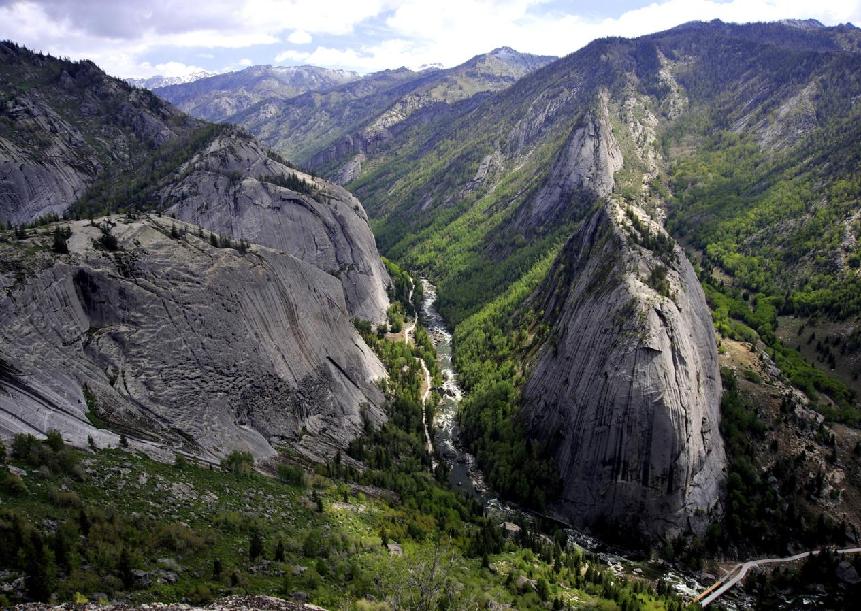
(628, 386)
(234, 188)
(182, 345)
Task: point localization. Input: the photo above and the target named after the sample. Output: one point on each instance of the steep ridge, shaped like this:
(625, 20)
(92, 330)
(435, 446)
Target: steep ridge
(219, 96)
(153, 82)
(64, 123)
(185, 338)
(332, 131)
(73, 140)
(180, 344)
(628, 387)
(483, 197)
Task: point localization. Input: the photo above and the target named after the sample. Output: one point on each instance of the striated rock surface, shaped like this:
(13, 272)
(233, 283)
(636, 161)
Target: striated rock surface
(584, 169)
(627, 388)
(86, 140)
(183, 345)
(234, 188)
(63, 124)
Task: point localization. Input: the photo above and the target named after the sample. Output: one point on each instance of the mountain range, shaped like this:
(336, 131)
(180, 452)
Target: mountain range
(153, 82)
(648, 251)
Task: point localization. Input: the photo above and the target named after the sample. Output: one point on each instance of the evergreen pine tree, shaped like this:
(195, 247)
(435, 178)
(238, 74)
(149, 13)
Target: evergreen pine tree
(255, 548)
(39, 569)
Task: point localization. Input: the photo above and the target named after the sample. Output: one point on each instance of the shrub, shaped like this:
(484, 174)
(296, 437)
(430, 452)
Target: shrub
(65, 498)
(241, 464)
(658, 280)
(107, 241)
(22, 446)
(11, 483)
(255, 545)
(200, 594)
(54, 440)
(178, 537)
(290, 474)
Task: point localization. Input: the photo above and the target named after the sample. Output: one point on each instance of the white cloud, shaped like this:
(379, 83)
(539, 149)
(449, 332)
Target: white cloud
(292, 55)
(118, 35)
(451, 31)
(121, 36)
(299, 37)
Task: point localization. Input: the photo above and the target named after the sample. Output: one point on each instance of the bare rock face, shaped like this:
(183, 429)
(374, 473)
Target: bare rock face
(234, 188)
(627, 388)
(584, 168)
(32, 187)
(182, 345)
(63, 124)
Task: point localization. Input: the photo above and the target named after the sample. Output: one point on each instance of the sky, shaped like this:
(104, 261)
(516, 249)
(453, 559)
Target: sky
(143, 38)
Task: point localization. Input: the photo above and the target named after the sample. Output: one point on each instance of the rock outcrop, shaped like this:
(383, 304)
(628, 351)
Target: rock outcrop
(89, 140)
(234, 188)
(180, 344)
(63, 124)
(583, 171)
(627, 387)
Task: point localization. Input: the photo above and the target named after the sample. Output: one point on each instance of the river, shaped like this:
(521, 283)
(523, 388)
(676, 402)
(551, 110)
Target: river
(465, 475)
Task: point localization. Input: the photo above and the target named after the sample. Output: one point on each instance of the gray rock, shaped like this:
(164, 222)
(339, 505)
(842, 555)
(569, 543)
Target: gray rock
(846, 573)
(167, 576)
(627, 388)
(60, 131)
(583, 171)
(198, 348)
(141, 578)
(395, 549)
(230, 188)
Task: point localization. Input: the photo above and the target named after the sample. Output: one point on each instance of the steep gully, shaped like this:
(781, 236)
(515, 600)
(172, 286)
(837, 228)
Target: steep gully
(465, 475)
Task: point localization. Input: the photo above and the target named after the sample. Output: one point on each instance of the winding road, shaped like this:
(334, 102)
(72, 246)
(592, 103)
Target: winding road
(718, 588)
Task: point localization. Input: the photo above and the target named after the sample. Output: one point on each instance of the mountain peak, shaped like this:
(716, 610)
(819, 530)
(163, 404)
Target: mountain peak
(803, 24)
(504, 51)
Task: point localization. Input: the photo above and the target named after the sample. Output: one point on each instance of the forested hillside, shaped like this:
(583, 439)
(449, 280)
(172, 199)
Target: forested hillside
(742, 138)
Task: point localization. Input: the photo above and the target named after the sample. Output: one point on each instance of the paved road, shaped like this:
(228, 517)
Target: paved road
(739, 572)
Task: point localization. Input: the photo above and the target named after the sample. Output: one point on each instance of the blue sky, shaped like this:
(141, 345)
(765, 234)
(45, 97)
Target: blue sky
(143, 38)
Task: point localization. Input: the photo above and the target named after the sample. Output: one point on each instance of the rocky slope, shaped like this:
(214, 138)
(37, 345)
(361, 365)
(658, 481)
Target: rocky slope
(64, 123)
(218, 97)
(234, 188)
(75, 140)
(628, 387)
(184, 345)
(584, 152)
